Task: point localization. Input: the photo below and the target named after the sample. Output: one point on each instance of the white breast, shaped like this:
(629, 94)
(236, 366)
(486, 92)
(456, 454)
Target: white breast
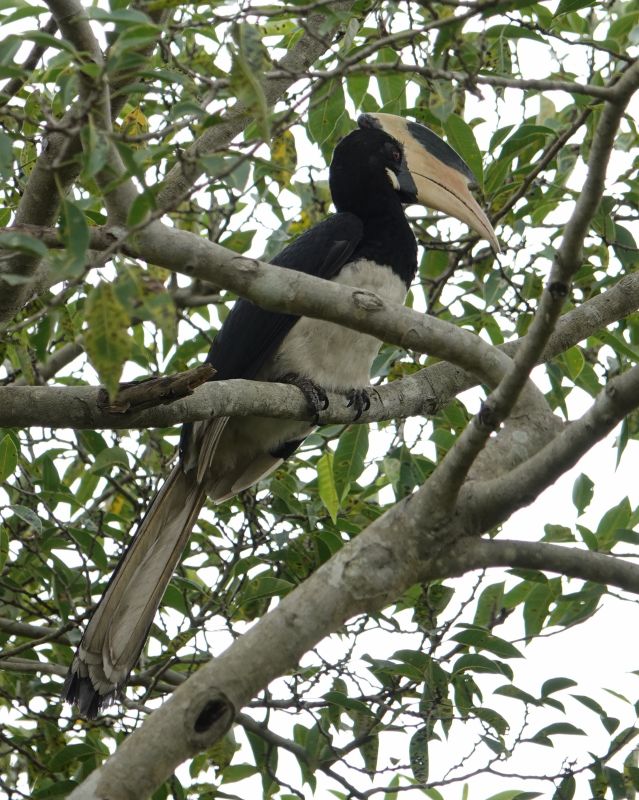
(333, 356)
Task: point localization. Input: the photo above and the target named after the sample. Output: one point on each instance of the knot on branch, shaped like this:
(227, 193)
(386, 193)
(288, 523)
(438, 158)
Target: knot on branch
(487, 417)
(213, 712)
(558, 290)
(367, 301)
(207, 718)
(246, 265)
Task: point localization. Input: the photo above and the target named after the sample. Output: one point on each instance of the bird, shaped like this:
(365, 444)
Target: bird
(384, 164)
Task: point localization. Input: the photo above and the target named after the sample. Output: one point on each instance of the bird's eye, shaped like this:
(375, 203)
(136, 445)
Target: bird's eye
(393, 153)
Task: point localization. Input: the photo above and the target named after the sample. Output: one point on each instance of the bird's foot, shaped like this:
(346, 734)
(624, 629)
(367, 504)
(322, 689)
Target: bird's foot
(359, 400)
(313, 393)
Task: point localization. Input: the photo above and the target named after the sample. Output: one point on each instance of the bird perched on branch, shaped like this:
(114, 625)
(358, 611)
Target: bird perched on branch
(385, 163)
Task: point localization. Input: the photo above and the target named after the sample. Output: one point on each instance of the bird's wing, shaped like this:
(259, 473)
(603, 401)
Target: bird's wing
(250, 334)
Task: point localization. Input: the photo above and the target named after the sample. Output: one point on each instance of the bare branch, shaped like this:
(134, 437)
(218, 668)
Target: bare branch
(570, 561)
(463, 78)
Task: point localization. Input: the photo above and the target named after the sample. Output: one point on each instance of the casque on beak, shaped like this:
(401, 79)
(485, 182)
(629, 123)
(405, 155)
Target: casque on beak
(433, 174)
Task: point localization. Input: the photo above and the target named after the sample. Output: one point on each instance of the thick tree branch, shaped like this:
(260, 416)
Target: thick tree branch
(449, 476)
(56, 167)
(570, 561)
(495, 500)
(279, 289)
(424, 393)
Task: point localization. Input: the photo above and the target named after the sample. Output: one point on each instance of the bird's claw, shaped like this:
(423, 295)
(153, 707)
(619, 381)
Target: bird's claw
(359, 401)
(313, 393)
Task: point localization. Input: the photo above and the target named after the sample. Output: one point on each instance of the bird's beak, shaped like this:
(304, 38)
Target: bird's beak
(432, 173)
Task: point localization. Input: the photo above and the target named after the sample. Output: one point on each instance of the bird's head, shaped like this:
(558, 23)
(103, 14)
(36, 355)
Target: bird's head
(387, 155)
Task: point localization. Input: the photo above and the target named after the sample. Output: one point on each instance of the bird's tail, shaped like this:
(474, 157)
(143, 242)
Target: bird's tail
(116, 632)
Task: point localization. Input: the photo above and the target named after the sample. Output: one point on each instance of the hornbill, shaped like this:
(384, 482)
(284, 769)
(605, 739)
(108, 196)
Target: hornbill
(383, 164)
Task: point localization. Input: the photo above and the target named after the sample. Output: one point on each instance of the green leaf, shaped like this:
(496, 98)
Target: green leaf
(326, 484)
(75, 235)
(266, 586)
(70, 753)
(418, 754)
(582, 493)
(392, 87)
(461, 137)
(343, 701)
(574, 361)
(239, 241)
(478, 663)
(363, 725)
(510, 32)
(516, 694)
(557, 533)
(348, 462)
(22, 243)
(250, 62)
(489, 605)
(4, 546)
(618, 344)
(95, 147)
(327, 117)
(492, 718)
(568, 6)
(483, 640)
(107, 342)
(141, 209)
(559, 729)
(54, 789)
(566, 789)
(8, 457)
(553, 685)
(536, 608)
(27, 515)
(617, 517)
(109, 457)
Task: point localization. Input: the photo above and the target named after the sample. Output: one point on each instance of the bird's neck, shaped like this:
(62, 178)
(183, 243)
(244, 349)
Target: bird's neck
(389, 240)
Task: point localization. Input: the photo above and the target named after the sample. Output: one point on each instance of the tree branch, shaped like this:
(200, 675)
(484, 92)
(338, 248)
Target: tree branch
(495, 500)
(450, 474)
(570, 561)
(307, 50)
(424, 393)
(55, 170)
(466, 79)
(13, 86)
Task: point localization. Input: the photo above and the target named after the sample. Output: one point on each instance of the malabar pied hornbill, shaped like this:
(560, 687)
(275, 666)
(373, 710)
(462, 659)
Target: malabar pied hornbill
(385, 163)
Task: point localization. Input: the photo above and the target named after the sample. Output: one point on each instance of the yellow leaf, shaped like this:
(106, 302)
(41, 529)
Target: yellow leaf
(135, 124)
(284, 157)
(107, 342)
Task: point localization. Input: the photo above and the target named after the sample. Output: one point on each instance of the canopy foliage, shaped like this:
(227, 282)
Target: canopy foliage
(421, 694)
